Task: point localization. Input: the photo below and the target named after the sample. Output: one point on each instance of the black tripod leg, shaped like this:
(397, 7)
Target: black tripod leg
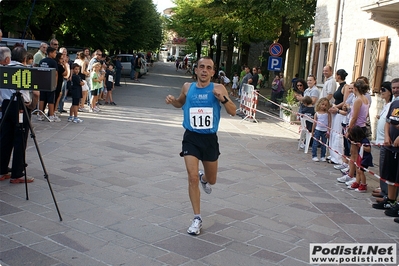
(33, 136)
(5, 114)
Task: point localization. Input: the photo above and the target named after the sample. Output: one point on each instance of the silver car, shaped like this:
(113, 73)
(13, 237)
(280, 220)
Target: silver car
(127, 65)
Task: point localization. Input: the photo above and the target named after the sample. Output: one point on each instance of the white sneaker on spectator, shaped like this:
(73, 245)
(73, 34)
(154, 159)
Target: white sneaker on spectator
(40, 117)
(344, 179)
(315, 159)
(53, 118)
(340, 166)
(345, 170)
(351, 181)
(323, 159)
(302, 146)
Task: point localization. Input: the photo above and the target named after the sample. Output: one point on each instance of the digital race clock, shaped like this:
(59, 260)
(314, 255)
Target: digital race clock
(23, 78)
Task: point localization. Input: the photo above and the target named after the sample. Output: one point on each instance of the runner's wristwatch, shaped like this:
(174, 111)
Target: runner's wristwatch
(225, 100)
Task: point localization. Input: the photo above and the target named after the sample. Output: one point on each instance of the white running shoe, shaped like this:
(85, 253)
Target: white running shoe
(340, 166)
(323, 159)
(54, 118)
(195, 227)
(344, 179)
(315, 159)
(40, 117)
(77, 120)
(345, 170)
(205, 186)
(351, 181)
(70, 119)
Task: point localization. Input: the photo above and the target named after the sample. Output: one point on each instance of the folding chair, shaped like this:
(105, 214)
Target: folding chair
(305, 135)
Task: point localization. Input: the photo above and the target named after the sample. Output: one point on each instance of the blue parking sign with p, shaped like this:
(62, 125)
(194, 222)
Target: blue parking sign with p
(275, 63)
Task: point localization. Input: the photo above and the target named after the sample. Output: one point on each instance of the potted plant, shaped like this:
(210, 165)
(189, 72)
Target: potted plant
(291, 107)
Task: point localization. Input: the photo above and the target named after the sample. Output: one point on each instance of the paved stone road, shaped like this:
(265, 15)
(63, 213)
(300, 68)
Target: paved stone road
(122, 191)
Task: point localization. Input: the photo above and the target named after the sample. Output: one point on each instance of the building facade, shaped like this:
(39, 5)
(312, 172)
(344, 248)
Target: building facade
(360, 36)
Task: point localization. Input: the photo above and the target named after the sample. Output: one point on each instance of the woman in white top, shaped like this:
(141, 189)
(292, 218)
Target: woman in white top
(312, 91)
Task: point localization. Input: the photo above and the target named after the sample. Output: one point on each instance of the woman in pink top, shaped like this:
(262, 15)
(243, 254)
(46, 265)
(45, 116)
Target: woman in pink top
(358, 117)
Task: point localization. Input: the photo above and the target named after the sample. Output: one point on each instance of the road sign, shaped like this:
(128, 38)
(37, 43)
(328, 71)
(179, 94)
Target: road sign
(276, 49)
(275, 63)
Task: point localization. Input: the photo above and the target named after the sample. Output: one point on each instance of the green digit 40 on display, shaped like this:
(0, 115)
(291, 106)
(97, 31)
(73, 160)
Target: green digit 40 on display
(21, 78)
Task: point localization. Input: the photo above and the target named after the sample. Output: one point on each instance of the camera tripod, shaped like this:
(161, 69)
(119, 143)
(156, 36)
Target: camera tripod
(20, 117)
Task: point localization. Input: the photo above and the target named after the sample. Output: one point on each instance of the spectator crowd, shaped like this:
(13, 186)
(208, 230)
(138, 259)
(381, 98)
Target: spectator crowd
(89, 81)
(338, 120)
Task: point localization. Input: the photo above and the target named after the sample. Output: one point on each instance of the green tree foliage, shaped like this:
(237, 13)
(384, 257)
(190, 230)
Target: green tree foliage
(117, 24)
(244, 21)
(143, 27)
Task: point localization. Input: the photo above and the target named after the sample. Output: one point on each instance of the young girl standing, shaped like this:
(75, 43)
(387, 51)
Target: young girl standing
(364, 158)
(321, 128)
(96, 81)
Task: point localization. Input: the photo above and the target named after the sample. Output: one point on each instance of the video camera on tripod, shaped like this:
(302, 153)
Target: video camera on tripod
(23, 78)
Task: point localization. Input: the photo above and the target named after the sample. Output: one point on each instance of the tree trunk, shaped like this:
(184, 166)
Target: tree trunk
(198, 46)
(245, 53)
(230, 49)
(284, 38)
(218, 50)
(211, 45)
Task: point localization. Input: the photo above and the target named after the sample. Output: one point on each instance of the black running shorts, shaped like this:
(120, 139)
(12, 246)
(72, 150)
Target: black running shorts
(203, 146)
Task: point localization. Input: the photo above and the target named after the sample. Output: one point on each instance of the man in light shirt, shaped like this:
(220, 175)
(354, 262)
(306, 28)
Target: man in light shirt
(40, 54)
(330, 85)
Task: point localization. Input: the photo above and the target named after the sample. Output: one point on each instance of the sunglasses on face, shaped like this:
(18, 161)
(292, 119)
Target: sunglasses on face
(299, 85)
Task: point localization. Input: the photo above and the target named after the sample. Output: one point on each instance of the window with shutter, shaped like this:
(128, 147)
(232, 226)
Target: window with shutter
(330, 54)
(359, 54)
(380, 64)
(315, 62)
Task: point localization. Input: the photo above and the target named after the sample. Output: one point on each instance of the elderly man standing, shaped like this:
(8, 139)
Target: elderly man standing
(13, 138)
(40, 54)
(5, 59)
(330, 85)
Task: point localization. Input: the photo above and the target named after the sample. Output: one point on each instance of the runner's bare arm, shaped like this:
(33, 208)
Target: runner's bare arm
(222, 95)
(181, 100)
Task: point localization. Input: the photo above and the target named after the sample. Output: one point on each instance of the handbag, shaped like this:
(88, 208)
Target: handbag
(275, 87)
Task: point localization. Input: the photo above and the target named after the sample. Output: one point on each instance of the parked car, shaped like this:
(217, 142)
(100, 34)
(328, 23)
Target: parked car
(127, 65)
(72, 52)
(32, 46)
(170, 58)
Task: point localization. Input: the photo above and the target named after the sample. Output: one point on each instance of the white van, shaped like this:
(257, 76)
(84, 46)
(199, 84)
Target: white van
(32, 46)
